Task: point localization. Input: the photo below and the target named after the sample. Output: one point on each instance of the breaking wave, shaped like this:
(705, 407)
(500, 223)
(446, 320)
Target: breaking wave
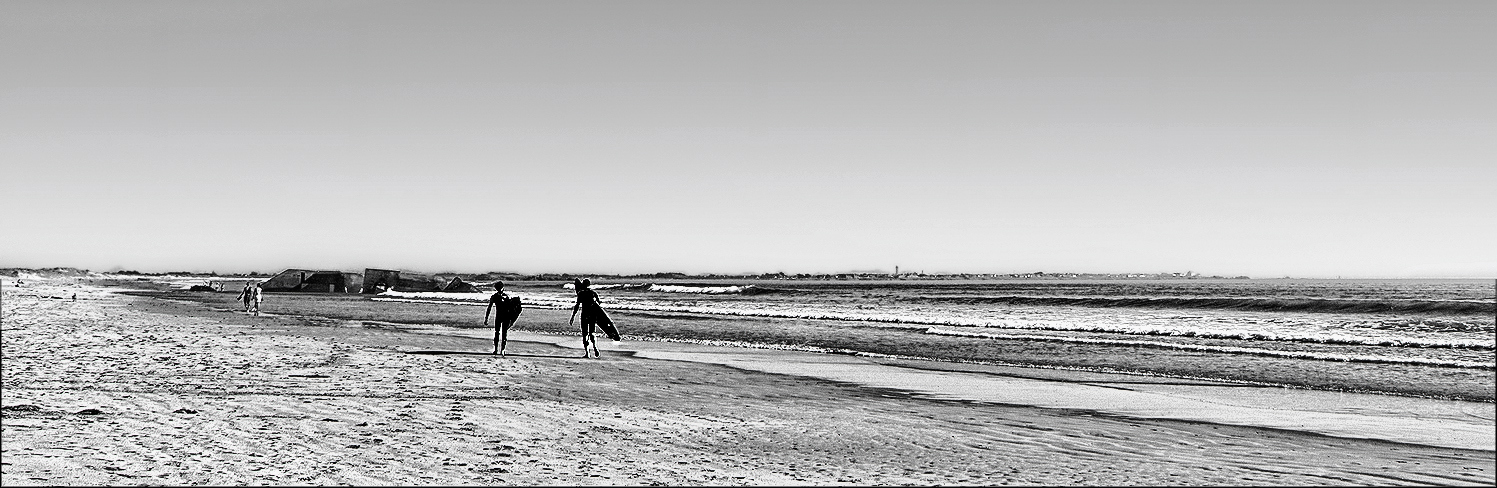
(709, 290)
(1245, 304)
(611, 286)
(465, 298)
(1214, 348)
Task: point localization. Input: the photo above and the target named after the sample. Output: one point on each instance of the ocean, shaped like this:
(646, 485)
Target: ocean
(1443, 325)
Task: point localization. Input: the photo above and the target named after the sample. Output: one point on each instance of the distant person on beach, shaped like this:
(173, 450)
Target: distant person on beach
(246, 296)
(592, 315)
(257, 296)
(506, 310)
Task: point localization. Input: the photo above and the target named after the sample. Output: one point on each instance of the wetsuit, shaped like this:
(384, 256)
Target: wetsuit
(592, 314)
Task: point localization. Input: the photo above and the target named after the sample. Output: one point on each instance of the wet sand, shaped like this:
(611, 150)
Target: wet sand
(115, 390)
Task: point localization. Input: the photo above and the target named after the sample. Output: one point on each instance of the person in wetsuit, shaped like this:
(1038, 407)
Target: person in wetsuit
(500, 304)
(592, 315)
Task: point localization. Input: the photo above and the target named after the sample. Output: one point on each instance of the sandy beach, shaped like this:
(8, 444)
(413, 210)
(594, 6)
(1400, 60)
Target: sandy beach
(123, 390)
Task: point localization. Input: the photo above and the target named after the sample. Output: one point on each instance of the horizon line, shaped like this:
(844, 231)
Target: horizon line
(747, 274)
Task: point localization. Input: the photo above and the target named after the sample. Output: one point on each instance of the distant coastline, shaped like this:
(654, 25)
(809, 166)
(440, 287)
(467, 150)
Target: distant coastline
(511, 276)
(848, 276)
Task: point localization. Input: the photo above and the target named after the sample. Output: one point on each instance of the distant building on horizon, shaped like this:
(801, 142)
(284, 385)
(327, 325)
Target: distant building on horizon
(307, 280)
(380, 280)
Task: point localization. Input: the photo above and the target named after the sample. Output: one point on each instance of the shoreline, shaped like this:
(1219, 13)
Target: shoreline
(1440, 423)
(284, 400)
(1085, 354)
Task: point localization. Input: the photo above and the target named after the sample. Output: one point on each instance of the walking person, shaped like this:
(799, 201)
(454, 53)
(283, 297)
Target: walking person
(592, 315)
(505, 313)
(245, 297)
(256, 296)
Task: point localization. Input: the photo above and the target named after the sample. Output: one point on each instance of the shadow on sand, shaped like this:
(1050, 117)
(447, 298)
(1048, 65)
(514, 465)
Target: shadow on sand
(482, 353)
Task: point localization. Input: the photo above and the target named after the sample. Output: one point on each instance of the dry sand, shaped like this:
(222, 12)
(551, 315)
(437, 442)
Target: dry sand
(121, 390)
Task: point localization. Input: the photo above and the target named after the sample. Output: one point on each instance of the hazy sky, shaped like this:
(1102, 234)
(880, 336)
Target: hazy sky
(1296, 138)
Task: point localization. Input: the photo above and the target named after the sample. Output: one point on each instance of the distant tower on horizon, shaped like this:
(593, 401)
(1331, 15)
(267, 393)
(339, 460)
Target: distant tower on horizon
(896, 271)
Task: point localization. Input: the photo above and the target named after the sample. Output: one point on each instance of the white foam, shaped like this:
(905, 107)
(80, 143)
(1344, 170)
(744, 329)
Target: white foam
(611, 286)
(711, 290)
(465, 298)
(1226, 349)
(708, 290)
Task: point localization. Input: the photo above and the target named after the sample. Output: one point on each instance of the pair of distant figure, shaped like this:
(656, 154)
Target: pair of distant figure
(251, 296)
(587, 302)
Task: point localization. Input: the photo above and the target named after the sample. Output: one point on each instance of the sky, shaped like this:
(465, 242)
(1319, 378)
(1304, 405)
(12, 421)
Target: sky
(1268, 139)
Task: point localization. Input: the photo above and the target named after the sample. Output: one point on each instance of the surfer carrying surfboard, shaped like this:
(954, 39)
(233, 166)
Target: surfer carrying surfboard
(506, 310)
(248, 298)
(592, 315)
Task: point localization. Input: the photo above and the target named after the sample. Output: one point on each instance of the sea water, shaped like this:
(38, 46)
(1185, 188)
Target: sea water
(1446, 323)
